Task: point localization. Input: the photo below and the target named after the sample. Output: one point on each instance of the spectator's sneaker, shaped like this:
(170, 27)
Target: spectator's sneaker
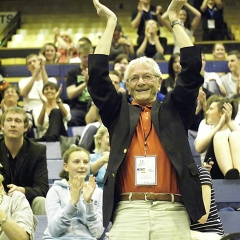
(232, 174)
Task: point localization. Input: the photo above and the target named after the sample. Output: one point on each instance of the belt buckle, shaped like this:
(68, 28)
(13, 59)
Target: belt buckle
(145, 197)
(130, 197)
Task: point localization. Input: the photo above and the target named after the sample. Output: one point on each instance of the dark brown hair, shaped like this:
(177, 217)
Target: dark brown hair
(66, 155)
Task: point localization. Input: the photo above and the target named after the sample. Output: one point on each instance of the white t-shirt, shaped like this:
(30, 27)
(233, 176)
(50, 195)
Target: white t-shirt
(204, 129)
(33, 100)
(212, 75)
(43, 128)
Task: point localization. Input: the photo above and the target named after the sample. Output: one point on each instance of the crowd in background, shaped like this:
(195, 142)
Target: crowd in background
(43, 116)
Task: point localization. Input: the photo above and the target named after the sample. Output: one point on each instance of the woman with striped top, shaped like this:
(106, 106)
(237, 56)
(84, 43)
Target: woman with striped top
(209, 226)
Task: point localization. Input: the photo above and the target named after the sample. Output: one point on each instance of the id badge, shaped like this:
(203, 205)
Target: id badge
(211, 24)
(145, 170)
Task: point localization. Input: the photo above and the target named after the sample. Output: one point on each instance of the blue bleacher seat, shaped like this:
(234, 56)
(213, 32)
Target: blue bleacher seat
(230, 221)
(41, 226)
(54, 168)
(53, 150)
(74, 131)
(227, 194)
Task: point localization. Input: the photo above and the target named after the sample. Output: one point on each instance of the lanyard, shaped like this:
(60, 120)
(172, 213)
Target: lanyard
(211, 12)
(145, 140)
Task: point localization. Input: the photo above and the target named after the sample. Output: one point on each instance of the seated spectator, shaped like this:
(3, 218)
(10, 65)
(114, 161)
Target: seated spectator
(24, 165)
(65, 46)
(174, 68)
(145, 11)
(219, 51)
(16, 217)
(119, 65)
(77, 87)
(50, 52)
(121, 44)
(152, 45)
(218, 138)
(74, 206)
(212, 20)
(184, 16)
(212, 81)
(209, 226)
(229, 80)
(51, 119)
(10, 98)
(81, 41)
(99, 159)
(30, 86)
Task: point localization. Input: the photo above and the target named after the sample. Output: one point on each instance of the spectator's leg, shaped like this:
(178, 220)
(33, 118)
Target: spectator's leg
(215, 171)
(218, 35)
(234, 139)
(56, 126)
(206, 36)
(222, 152)
(77, 118)
(38, 206)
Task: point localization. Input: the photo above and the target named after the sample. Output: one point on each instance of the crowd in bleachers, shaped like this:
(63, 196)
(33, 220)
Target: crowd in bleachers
(36, 111)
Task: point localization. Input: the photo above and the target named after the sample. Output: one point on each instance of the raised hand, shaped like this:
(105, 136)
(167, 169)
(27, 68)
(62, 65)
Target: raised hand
(85, 74)
(158, 10)
(202, 98)
(88, 189)
(42, 97)
(56, 31)
(140, 6)
(42, 60)
(174, 9)
(227, 109)
(103, 11)
(58, 93)
(75, 189)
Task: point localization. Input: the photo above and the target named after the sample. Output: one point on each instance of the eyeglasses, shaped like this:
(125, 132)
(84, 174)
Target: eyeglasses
(145, 77)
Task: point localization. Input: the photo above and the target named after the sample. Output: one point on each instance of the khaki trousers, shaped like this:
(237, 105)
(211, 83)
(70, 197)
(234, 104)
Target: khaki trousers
(147, 220)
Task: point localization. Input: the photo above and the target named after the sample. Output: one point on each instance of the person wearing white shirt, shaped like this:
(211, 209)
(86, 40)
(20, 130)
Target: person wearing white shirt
(52, 117)
(218, 137)
(30, 86)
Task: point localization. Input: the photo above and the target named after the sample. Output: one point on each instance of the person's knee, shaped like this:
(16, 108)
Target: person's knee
(234, 136)
(56, 112)
(38, 206)
(219, 136)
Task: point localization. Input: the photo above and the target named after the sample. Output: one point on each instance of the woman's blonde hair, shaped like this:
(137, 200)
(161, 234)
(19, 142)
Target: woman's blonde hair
(98, 137)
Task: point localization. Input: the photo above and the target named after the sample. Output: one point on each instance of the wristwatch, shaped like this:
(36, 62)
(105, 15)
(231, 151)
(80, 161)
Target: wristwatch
(178, 21)
(59, 101)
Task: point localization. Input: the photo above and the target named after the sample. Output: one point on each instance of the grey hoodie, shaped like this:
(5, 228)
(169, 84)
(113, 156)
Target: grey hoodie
(68, 222)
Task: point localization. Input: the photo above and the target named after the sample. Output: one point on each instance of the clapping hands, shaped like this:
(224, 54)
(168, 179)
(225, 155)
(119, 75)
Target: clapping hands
(88, 189)
(79, 185)
(75, 189)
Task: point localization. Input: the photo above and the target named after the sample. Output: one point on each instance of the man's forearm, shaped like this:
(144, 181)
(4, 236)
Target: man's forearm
(25, 91)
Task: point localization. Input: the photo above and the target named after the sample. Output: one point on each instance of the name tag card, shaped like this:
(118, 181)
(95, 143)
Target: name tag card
(211, 24)
(145, 170)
